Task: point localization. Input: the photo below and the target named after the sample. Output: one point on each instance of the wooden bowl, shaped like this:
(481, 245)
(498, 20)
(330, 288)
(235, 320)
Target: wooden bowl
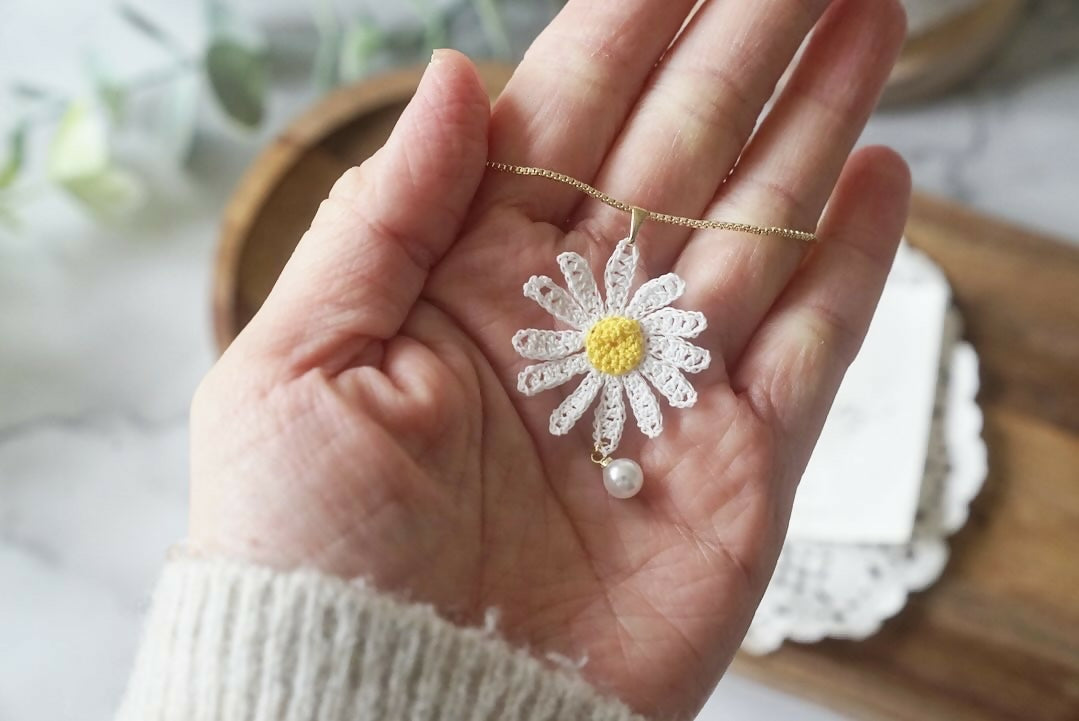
(942, 58)
(276, 199)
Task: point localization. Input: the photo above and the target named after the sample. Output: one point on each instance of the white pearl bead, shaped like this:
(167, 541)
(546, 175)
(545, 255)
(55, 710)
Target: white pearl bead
(623, 478)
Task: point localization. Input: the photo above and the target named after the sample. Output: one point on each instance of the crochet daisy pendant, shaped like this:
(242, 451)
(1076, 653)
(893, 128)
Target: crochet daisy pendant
(624, 347)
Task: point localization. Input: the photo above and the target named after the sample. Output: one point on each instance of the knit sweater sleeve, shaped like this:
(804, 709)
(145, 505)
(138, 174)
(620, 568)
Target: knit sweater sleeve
(229, 641)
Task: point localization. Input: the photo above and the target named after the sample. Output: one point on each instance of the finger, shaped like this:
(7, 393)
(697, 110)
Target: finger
(699, 107)
(794, 364)
(570, 95)
(791, 165)
(358, 270)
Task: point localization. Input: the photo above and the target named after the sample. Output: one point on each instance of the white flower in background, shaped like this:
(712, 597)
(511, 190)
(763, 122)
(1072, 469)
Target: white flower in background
(618, 345)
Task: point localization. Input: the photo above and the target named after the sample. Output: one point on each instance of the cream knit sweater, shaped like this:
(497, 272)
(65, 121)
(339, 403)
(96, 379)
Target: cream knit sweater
(233, 642)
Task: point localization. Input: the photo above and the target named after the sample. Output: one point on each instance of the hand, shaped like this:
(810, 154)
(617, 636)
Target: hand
(367, 420)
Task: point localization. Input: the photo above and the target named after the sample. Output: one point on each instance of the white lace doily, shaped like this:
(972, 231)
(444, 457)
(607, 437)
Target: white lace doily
(844, 590)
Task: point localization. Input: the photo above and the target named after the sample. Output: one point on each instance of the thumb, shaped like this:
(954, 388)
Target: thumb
(358, 270)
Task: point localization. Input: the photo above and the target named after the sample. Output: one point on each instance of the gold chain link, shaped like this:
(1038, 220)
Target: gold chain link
(599, 195)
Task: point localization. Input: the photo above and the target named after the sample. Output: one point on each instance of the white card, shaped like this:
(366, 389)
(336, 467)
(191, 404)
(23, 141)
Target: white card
(865, 475)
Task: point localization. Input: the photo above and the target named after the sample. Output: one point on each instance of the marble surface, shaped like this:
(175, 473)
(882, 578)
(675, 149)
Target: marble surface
(104, 333)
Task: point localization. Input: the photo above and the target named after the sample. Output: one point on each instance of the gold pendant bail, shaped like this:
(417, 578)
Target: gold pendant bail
(637, 216)
(600, 458)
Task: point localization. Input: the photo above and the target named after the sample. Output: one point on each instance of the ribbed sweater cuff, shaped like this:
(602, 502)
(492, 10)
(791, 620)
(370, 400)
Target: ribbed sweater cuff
(226, 640)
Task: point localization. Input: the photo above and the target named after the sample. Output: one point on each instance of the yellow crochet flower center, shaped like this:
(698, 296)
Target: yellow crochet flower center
(615, 345)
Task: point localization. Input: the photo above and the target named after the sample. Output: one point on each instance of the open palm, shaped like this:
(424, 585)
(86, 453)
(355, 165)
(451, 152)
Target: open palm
(367, 420)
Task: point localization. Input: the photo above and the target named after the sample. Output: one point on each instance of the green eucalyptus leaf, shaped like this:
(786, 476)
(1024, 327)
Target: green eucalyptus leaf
(78, 161)
(114, 97)
(141, 22)
(16, 154)
(324, 71)
(148, 27)
(30, 91)
(110, 92)
(39, 98)
(237, 74)
(406, 43)
(324, 14)
(224, 22)
(111, 193)
(80, 147)
(361, 41)
(493, 27)
(219, 17)
(177, 117)
(434, 23)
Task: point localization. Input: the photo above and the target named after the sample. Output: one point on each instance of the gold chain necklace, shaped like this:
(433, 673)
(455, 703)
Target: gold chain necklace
(640, 214)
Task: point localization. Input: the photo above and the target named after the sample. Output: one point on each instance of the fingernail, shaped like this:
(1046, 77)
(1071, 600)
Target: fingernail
(438, 55)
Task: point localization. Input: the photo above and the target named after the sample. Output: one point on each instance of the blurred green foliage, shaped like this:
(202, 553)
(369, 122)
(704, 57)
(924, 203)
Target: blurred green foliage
(234, 65)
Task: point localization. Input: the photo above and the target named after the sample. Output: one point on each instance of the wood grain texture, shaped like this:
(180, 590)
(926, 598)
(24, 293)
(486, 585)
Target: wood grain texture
(998, 636)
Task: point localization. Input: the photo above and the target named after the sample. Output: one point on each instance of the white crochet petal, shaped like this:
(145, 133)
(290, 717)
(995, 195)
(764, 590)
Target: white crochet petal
(672, 321)
(679, 353)
(575, 404)
(610, 416)
(555, 301)
(644, 404)
(542, 376)
(619, 275)
(581, 284)
(655, 294)
(669, 381)
(547, 344)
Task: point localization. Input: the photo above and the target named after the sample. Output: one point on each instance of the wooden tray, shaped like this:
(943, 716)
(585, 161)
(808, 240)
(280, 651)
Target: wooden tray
(998, 636)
